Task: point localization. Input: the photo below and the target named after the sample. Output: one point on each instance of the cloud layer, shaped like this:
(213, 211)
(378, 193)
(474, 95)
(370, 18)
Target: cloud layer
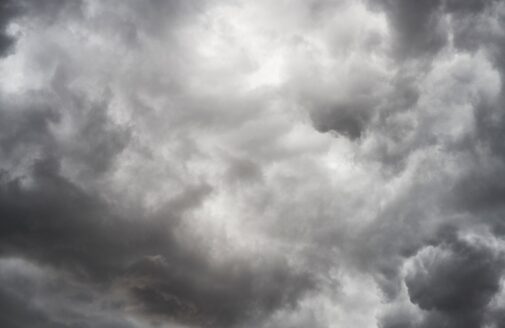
(232, 163)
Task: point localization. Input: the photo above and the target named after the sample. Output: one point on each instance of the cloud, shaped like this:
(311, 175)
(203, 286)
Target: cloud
(417, 26)
(55, 223)
(458, 280)
(8, 11)
(251, 164)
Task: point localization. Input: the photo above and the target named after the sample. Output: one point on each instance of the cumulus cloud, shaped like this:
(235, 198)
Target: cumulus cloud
(233, 163)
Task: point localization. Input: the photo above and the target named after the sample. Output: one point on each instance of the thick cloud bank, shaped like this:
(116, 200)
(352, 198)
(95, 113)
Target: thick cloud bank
(233, 163)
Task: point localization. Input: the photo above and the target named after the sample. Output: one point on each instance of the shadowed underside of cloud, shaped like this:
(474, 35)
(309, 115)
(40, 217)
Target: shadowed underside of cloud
(51, 221)
(252, 164)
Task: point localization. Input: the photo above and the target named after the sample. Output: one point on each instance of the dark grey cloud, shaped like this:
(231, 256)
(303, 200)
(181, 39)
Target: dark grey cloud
(417, 27)
(39, 296)
(421, 29)
(8, 10)
(57, 224)
(347, 119)
(458, 281)
(48, 11)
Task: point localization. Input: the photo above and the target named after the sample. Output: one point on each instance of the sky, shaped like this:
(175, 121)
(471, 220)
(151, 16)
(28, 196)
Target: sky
(252, 164)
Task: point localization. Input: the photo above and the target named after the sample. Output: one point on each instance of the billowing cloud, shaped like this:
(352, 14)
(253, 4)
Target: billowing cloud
(232, 163)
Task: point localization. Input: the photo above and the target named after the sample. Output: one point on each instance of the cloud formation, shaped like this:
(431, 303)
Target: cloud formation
(232, 163)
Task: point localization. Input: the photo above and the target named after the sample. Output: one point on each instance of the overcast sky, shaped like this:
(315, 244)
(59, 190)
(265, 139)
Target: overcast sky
(252, 163)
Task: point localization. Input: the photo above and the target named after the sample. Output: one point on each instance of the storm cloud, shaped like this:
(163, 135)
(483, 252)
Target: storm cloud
(233, 163)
